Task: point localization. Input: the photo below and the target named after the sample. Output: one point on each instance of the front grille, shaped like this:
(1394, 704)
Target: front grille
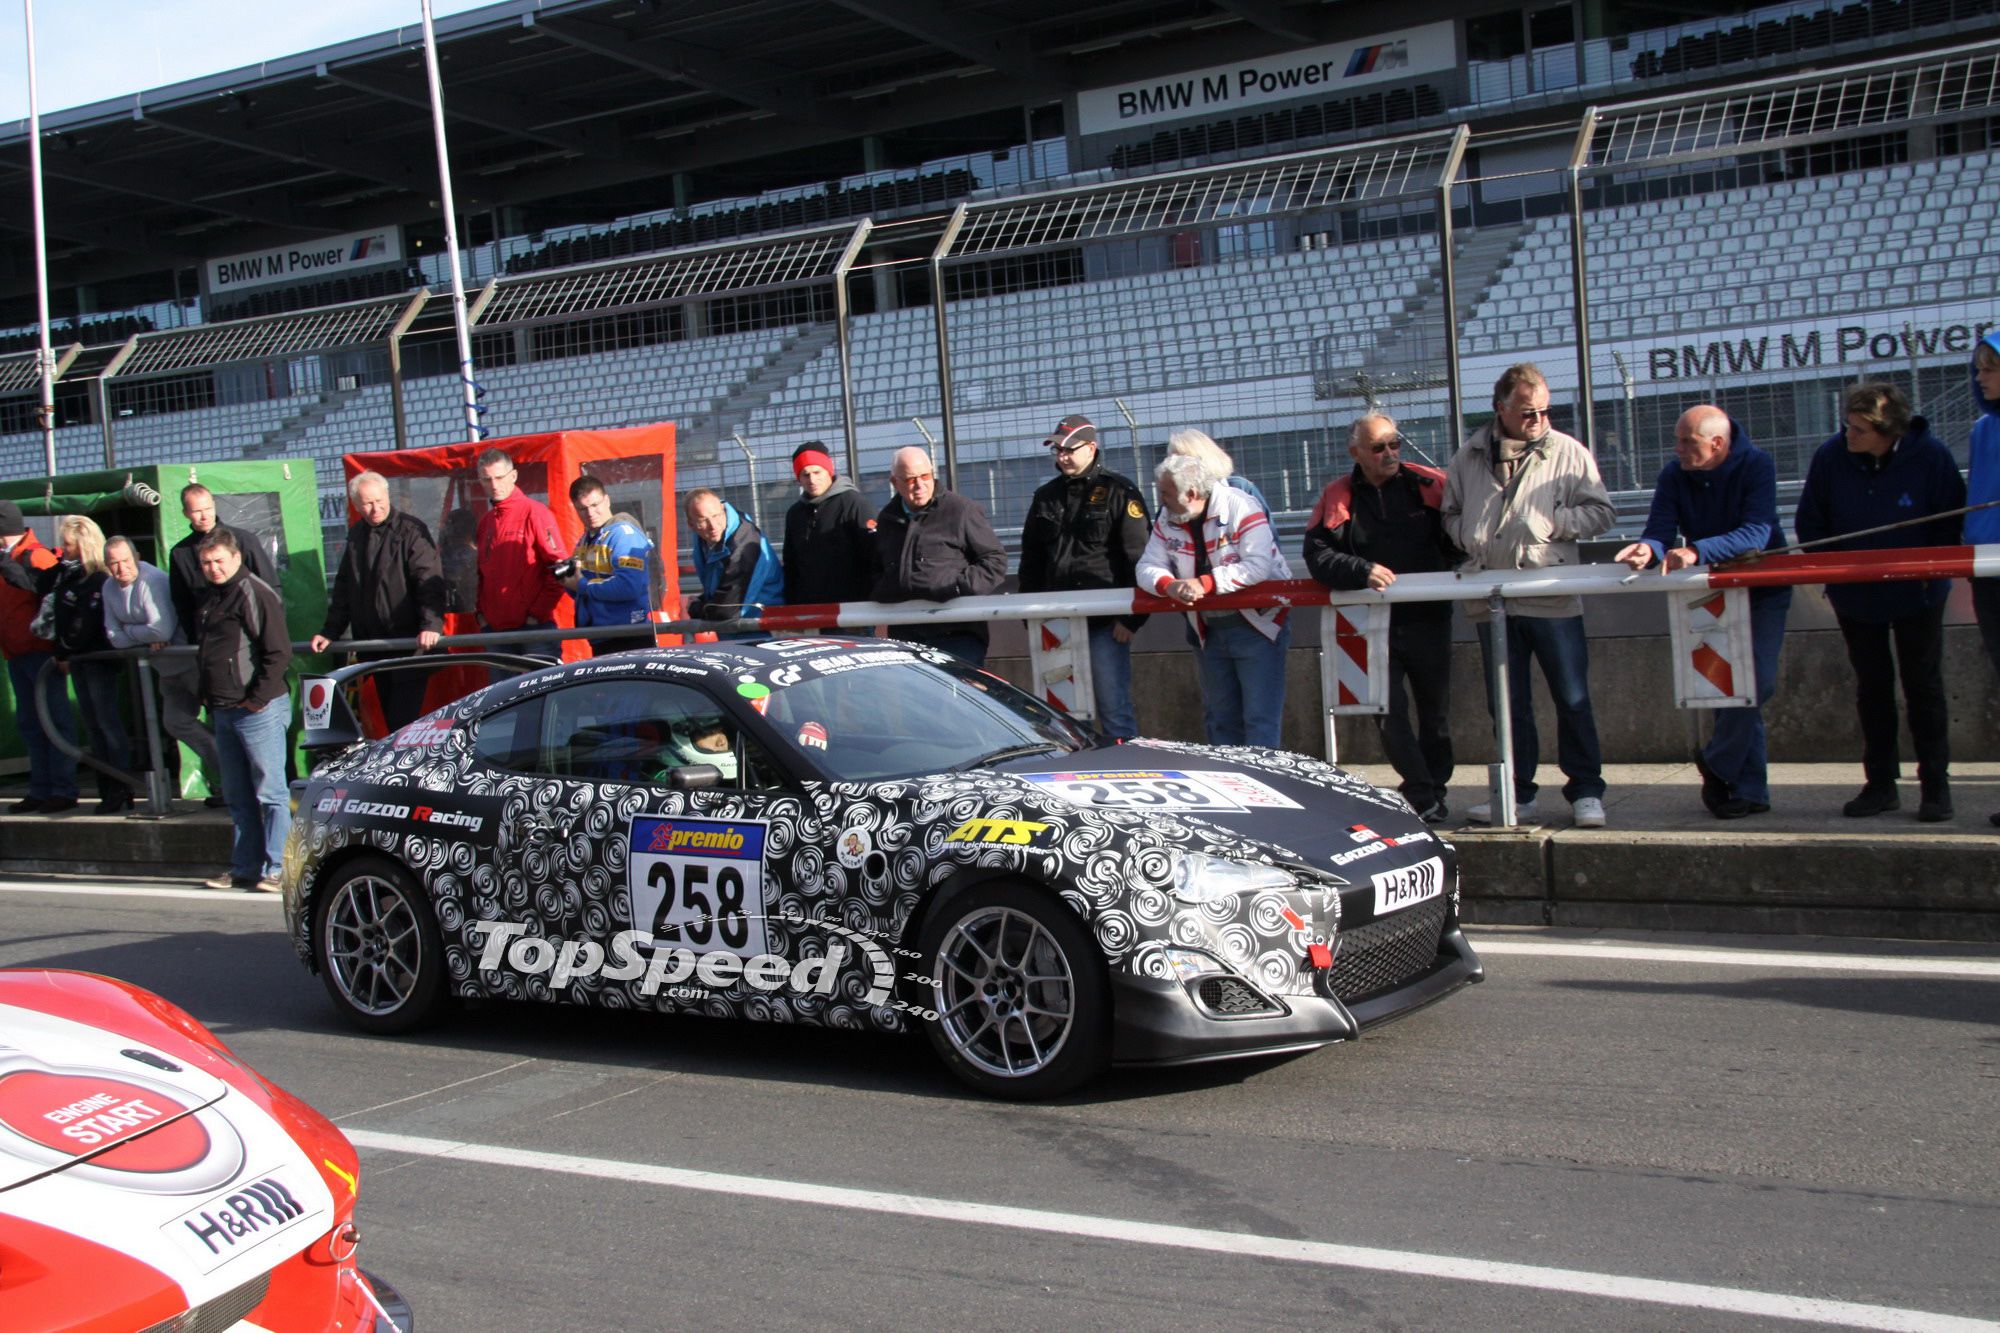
(1383, 955)
(1226, 997)
(225, 1311)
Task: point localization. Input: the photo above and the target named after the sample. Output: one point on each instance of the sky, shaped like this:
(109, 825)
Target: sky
(90, 50)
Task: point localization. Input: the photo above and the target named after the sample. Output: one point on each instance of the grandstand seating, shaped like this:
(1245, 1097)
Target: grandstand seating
(1889, 239)
(1795, 250)
(1249, 319)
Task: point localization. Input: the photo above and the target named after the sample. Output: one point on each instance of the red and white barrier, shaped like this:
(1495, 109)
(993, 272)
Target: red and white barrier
(1711, 642)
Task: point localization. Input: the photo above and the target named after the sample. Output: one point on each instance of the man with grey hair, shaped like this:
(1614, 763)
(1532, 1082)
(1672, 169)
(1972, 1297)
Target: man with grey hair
(1379, 520)
(390, 586)
(1211, 538)
(139, 611)
(1519, 495)
(1718, 500)
(935, 544)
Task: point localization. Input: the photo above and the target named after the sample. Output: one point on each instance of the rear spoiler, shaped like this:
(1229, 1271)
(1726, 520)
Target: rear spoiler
(324, 703)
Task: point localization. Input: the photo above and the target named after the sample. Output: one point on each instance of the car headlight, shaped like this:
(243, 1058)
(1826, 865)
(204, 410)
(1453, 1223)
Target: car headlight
(1199, 878)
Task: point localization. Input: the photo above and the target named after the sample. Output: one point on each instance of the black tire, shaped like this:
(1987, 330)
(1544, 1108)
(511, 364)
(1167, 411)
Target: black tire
(378, 947)
(1011, 1031)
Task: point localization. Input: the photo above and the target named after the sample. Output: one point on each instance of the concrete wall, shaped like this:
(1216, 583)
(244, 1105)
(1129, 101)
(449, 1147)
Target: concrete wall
(1812, 719)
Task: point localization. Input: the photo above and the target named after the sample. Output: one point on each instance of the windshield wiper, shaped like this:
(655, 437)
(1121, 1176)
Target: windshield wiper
(1013, 752)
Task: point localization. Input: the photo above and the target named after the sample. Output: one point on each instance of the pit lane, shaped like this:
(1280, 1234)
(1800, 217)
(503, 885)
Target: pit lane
(1817, 1119)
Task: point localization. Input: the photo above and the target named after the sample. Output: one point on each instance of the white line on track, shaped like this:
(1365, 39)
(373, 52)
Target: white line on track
(1610, 1286)
(133, 891)
(1725, 957)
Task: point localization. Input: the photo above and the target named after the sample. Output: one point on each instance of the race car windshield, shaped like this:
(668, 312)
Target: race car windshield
(905, 718)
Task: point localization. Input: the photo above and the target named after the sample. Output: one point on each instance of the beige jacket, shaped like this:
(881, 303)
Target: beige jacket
(1560, 499)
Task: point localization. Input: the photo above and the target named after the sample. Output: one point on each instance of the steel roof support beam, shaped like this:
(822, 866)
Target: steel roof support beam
(312, 151)
(963, 32)
(753, 82)
(271, 208)
(1294, 23)
(496, 111)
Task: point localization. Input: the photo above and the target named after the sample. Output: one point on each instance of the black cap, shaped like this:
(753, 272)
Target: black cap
(1075, 429)
(11, 522)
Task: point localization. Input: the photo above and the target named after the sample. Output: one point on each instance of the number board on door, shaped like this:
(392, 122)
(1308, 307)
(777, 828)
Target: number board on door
(699, 883)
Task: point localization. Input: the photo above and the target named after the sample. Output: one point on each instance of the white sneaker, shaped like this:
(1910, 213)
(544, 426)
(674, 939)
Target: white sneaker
(1588, 812)
(1483, 812)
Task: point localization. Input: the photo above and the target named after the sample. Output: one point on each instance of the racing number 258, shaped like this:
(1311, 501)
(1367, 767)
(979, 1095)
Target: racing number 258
(724, 915)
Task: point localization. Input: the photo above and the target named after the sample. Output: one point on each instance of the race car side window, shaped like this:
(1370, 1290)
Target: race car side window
(635, 731)
(508, 739)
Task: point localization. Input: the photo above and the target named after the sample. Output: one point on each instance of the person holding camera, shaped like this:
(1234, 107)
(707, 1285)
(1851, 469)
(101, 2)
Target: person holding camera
(607, 575)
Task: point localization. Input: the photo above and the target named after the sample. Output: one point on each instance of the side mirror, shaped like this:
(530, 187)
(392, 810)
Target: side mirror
(695, 777)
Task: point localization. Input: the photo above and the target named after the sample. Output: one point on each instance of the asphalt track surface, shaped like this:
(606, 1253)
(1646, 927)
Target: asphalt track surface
(1632, 1132)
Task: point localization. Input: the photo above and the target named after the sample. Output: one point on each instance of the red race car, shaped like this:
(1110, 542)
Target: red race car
(150, 1180)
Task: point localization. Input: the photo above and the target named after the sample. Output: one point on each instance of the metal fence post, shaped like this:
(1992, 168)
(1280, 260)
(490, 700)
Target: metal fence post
(157, 794)
(1502, 795)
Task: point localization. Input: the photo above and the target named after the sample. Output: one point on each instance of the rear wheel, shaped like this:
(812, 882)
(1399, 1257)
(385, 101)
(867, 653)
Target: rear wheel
(1022, 1001)
(380, 953)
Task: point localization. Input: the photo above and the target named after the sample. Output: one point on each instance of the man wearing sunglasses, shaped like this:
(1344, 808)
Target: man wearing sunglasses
(1380, 520)
(1087, 528)
(1519, 495)
(935, 544)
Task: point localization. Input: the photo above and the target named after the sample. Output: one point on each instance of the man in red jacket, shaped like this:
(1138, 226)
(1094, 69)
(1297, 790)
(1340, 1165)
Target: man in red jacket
(51, 773)
(519, 548)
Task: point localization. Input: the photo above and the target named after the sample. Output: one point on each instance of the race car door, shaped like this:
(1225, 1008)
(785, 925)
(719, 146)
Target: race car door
(702, 868)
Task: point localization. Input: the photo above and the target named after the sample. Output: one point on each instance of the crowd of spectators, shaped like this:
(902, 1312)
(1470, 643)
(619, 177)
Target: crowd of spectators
(1517, 495)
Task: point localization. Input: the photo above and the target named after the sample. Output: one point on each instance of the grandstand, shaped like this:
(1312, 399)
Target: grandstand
(1268, 321)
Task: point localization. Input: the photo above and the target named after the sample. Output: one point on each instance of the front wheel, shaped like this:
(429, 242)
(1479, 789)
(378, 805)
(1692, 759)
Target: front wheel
(380, 953)
(1022, 1001)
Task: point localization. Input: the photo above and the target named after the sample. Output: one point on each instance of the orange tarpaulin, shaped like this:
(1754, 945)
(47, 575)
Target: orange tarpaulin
(440, 485)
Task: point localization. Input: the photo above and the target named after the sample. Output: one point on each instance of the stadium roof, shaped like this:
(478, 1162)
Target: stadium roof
(550, 100)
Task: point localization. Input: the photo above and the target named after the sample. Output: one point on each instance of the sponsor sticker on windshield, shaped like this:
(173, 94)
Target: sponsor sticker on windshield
(1189, 790)
(1407, 886)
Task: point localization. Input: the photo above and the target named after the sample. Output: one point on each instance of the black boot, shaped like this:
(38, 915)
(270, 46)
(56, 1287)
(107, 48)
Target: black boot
(1935, 807)
(1873, 800)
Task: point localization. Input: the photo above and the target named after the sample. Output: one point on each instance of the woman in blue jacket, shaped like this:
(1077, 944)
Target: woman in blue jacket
(1886, 467)
(1983, 528)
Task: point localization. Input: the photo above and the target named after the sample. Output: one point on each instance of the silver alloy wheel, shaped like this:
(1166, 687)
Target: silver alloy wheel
(374, 949)
(1006, 998)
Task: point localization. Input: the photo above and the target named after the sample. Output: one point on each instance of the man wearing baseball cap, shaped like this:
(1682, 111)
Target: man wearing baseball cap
(51, 772)
(829, 533)
(1086, 528)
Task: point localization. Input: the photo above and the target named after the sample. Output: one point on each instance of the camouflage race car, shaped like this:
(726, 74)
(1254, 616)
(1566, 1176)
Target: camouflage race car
(865, 834)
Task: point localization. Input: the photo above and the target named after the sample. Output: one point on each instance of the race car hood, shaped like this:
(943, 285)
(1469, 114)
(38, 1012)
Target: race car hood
(107, 1142)
(1300, 806)
(73, 1094)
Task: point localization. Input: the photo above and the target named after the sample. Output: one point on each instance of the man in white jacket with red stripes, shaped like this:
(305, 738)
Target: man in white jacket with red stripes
(1211, 538)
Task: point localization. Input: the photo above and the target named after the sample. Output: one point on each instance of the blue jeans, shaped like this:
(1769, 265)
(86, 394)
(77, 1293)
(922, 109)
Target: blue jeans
(1559, 645)
(99, 692)
(1242, 682)
(1736, 751)
(1111, 681)
(51, 773)
(252, 749)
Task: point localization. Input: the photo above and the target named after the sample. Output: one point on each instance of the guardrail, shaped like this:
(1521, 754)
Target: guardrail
(1712, 601)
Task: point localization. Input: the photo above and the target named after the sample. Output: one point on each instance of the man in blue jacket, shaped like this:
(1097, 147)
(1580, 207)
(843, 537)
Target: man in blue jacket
(739, 572)
(1887, 467)
(1983, 528)
(610, 581)
(1716, 501)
